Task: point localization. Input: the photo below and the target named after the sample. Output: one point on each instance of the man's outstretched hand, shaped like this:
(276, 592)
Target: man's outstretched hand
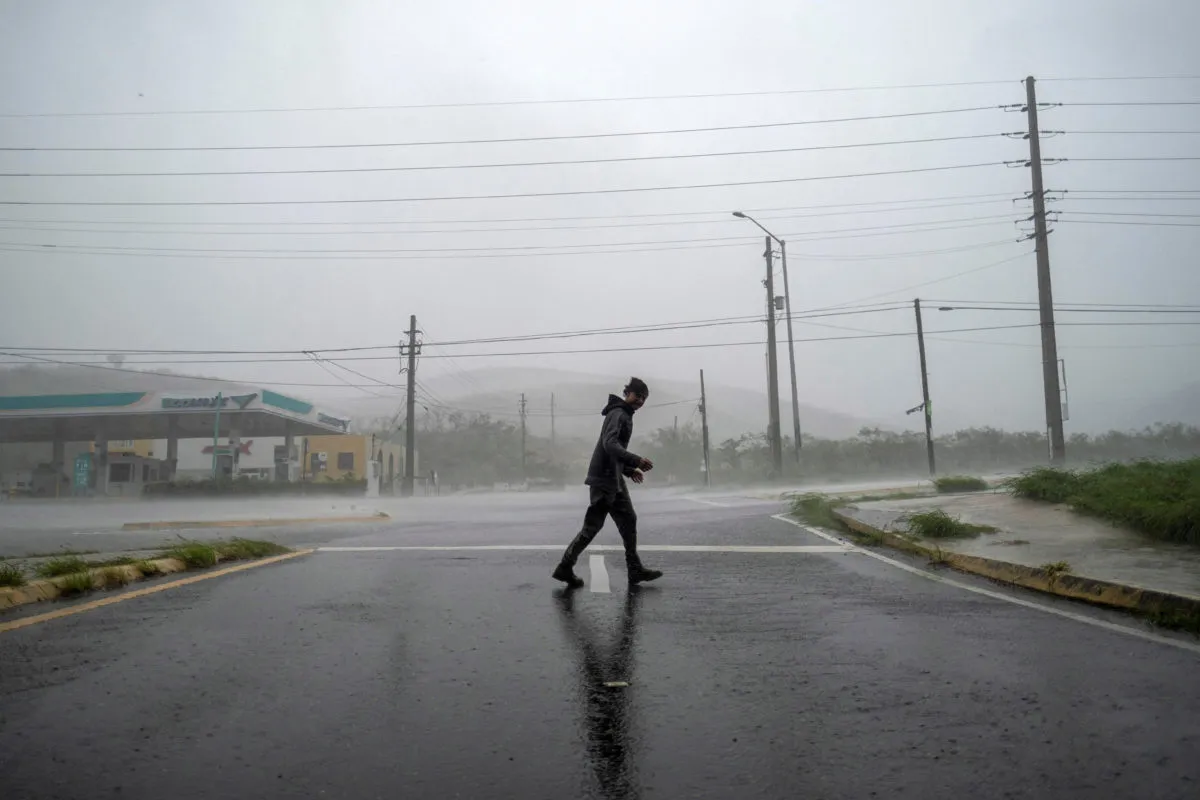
(637, 477)
(646, 465)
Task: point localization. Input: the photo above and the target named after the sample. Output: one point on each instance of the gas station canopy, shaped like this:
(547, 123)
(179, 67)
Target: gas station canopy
(187, 414)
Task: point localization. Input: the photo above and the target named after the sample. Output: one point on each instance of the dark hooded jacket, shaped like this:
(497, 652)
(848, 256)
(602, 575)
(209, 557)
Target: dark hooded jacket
(611, 459)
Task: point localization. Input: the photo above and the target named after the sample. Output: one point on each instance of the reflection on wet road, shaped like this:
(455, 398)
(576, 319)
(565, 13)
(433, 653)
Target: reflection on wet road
(606, 683)
(434, 657)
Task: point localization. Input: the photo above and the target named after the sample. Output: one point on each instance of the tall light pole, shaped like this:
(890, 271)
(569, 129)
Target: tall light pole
(787, 302)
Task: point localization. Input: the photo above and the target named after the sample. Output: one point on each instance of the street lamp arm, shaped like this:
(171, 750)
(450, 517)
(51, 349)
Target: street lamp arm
(743, 215)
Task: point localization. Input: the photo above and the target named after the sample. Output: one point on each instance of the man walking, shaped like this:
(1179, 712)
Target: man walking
(611, 464)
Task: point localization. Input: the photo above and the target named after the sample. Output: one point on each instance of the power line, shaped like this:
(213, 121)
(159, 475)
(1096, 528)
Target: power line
(52, 249)
(724, 212)
(1132, 103)
(907, 227)
(571, 193)
(722, 219)
(307, 353)
(1127, 214)
(1138, 158)
(497, 165)
(498, 103)
(573, 101)
(1129, 222)
(507, 140)
(938, 280)
(709, 345)
(1130, 133)
(1122, 78)
(639, 348)
(49, 250)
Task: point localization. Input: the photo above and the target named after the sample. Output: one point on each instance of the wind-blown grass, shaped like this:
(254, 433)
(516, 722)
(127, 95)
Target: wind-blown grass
(937, 524)
(1158, 498)
(960, 483)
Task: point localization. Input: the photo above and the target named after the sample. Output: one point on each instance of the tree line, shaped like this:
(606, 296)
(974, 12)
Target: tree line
(471, 450)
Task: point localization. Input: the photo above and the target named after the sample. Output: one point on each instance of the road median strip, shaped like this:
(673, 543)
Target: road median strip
(378, 516)
(25, 622)
(1166, 608)
(71, 576)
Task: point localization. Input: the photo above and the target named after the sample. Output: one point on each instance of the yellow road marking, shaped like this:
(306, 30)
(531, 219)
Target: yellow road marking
(162, 587)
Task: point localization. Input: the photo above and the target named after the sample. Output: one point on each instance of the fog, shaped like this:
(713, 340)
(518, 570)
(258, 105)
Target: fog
(214, 263)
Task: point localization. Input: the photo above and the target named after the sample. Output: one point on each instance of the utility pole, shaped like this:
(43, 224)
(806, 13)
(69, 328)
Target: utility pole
(704, 431)
(787, 300)
(552, 436)
(410, 432)
(773, 432)
(524, 458)
(1054, 417)
(925, 392)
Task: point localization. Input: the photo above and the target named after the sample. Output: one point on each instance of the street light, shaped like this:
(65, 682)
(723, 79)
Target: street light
(787, 299)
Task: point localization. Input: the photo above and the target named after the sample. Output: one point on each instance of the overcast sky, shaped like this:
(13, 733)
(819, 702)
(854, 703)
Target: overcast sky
(851, 240)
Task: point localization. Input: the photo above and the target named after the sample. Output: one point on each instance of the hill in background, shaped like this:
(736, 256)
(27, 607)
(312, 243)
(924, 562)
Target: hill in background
(579, 398)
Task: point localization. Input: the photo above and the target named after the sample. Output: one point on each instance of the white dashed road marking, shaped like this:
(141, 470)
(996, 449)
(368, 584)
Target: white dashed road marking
(1086, 620)
(599, 581)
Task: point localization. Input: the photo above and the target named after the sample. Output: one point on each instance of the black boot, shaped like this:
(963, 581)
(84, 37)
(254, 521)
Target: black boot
(638, 573)
(567, 575)
(565, 571)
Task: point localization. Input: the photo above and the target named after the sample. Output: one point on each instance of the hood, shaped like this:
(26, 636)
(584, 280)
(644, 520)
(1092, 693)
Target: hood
(616, 402)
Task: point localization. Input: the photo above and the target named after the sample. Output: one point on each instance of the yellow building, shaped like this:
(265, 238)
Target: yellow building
(345, 456)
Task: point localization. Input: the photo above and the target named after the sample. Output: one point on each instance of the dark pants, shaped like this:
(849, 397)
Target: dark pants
(606, 502)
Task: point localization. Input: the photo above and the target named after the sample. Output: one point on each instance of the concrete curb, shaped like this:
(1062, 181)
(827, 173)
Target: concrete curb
(120, 597)
(378, 516)
(52, 588)
(1076, 587)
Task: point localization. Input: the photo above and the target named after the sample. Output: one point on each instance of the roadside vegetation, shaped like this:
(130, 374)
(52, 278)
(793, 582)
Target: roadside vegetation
(11, 575)
(74, 575)
(937, 524)
(61, 565)
(960, 483)
(1158, 498)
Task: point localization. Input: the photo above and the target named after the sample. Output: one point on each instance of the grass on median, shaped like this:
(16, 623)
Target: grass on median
(198, 555)
(816, 509)
(11, 575)
(61, 565)
(960, 483)
(76, 583)
(1158, 498)
(937, 524)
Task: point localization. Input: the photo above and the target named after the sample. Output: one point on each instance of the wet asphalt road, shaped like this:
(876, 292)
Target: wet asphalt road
(466, 674)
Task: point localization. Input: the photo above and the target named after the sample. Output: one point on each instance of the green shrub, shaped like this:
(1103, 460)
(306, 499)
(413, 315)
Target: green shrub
(61, 565)
(1045, 483)
(76, 583)
(195, 554)
(960, 483)
(1158, 498)
(238, 549)
(815, 509)
(937, 524)
(11, 575)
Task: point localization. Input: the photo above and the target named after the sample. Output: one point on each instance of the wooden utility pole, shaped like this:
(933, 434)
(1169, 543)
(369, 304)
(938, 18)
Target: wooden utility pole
(787, 300)
(773, 432)
(1054, 416)
(524, 455)
(704, 431)
(925, 392)
(410, 431)
(552, 434)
